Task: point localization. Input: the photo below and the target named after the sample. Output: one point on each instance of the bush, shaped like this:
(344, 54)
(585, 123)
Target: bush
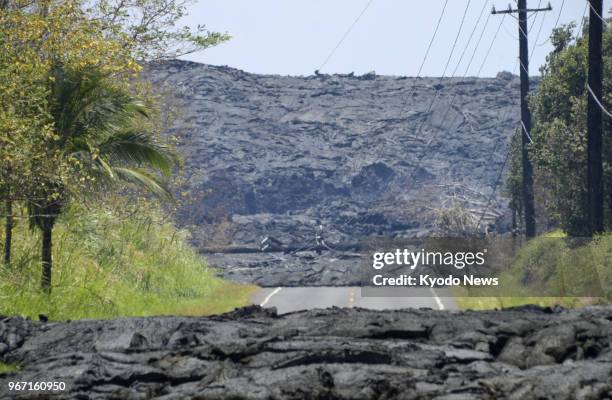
(553, 269)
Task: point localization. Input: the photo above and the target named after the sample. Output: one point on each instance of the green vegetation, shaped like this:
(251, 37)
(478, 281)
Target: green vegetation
(98, 128)
(558, 151)
(122, 260)
(77, 126)
(76, 121)
(551, 270)
(7, 368)
(560, 271)
(158, 35)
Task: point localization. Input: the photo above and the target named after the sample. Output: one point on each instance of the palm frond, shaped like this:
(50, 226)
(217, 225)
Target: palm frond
(105, 167)
(143, 179)
(84, 101)
(93, 118)
(139, 148)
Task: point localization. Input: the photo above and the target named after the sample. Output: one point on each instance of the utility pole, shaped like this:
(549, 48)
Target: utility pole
(595, 195)
(528, 202)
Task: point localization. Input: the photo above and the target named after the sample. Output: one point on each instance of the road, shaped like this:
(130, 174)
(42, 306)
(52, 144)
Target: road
(288, 299)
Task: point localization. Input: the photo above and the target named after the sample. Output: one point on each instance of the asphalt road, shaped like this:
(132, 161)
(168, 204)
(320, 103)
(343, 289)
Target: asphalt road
(288, 299)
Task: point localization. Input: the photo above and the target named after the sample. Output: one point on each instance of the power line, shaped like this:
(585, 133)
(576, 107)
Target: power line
(446, 68)
(559, 15)
(413, 87)
(500, 175)
(535, 18)
(426, 56)
(469, 40)
(412, 177)
(596, 13)
(471, 59)
(491, 46)
(441, 77)
(556, 24)
(432, 38)
(486, 57)
(347, 33)
(456, 38)
(522, 126)
(586, 7)
(535, 42)
(598, 101)
(477, 44)
(433, 101)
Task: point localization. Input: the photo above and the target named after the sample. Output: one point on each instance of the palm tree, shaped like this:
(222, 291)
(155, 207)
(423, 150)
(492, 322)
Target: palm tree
(96, 122)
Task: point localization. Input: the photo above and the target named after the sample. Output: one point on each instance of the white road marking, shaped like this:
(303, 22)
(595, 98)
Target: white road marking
(437, 299)
(351, 298)
(268, 297)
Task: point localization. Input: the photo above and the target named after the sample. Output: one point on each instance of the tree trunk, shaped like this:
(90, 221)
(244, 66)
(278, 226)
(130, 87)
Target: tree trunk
(8, 238)
(47, 231)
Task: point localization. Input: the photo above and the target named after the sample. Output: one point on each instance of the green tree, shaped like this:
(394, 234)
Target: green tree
(75, 117)
(70, 121)
(99, 132)
(559, 134)
(151, 28)
(23, 122)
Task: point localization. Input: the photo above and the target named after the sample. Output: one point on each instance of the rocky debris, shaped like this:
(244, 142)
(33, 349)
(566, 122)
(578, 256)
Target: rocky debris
(305, 268)
(252, 353)
(361, 155)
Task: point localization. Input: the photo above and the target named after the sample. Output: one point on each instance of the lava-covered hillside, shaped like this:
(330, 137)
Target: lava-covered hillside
(359, 155)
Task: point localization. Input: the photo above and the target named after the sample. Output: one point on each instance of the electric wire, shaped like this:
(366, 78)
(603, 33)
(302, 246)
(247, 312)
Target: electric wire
(477, 44)
(579, 32)
(413, 87)
(596, 13)
(521, 123)
(491, 45)
(420, 158)
(601, 106)
(482, 63)
(450, 56)
(469, 40)
(556, 24)
(495, 187)
(535, 42)
(443, 120)
(412, 177)
(535, 18)
(346, 33)
(432, 40)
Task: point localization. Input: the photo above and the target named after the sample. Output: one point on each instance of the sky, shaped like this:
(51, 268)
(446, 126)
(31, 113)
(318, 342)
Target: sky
(296, 37)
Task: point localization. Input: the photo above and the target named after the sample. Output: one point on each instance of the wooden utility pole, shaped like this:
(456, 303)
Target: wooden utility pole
(595, 195)
(528, 202)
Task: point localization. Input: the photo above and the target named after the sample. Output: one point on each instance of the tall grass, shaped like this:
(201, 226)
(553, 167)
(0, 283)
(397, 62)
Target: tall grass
(117, 258)
(550, 270)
